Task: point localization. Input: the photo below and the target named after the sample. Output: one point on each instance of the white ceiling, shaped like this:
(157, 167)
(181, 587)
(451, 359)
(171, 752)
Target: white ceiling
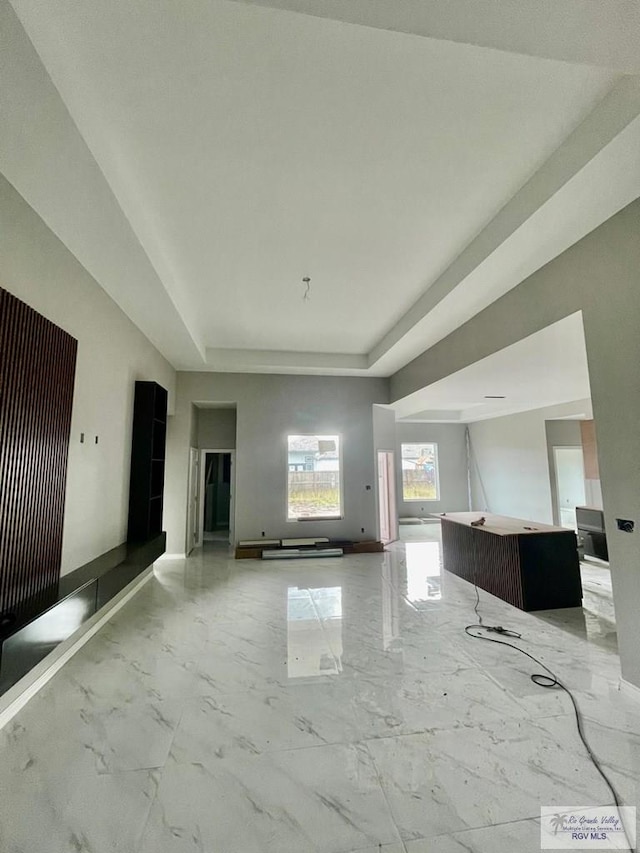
(200, 160)
(548, 368)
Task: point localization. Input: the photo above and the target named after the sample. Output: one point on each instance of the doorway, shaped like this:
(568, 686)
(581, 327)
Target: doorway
(192, 506)
(569, 466)
(217, 496)
(387, 496)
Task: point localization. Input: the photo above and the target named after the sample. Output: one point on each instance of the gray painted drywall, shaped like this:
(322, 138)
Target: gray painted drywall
(384, 429)
(593, 493)
(452, 467)
(112, 354)
(216, 429)
(513, 468)
(599, 275)
(510, 471)
(384, 438)
(564, 433)
(193, 430)
(269, 407)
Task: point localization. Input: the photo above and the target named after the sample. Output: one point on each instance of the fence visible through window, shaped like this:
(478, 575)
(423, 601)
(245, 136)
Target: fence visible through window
(419, 472)
(314, 487)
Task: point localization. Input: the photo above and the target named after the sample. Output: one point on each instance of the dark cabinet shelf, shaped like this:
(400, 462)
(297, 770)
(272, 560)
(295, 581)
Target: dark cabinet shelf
(158, 439)
(160, 403)
(147, 462)
(157, 477)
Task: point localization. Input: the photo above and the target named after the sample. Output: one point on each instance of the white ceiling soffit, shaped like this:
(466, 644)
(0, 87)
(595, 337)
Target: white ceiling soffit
(259, 361)
(605, 33)
(566, 199)
(547, 368)
(226, 150)
(44, 157)
(208, 404)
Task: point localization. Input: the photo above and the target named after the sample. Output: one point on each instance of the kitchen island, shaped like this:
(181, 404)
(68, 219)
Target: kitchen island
(529, 565)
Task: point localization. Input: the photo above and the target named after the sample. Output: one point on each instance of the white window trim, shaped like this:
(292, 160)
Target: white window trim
(341, 481)
(437, 461)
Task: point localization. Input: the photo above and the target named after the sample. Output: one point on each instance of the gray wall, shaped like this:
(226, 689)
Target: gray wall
(510, 469)
(269, 407)
(599, 275)
(452, 467)
(564, 433)
(112, 354)
(384, 429)
(216, 429)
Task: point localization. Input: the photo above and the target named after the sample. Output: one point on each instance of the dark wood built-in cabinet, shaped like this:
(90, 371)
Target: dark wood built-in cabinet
(147, 462)
(38, 608)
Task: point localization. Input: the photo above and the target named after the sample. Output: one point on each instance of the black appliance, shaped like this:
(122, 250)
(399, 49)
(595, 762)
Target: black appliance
(591, 532)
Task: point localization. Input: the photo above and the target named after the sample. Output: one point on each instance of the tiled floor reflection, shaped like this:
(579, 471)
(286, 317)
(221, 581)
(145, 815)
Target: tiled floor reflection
(424, 571)
(314, 631)
(326, 706)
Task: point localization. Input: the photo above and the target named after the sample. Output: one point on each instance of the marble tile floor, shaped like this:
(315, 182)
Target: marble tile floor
(327, 706)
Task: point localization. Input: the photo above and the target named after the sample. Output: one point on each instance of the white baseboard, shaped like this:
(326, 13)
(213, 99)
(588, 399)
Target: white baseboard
(172, 556)
(630, 689)
(17, 696)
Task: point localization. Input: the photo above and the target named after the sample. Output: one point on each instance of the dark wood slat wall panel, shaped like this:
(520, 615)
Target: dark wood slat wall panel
(492, 562)
(536, 570)
(37, 370)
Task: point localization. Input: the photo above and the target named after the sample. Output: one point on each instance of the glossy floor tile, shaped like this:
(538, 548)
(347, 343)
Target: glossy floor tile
(325, 798)
(329, 706)
(500, 838)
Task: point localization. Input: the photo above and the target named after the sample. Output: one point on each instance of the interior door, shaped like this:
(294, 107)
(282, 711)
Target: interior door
(570, 483)
(232, 502)
(386, 496)
(383, 497)
(193, 501)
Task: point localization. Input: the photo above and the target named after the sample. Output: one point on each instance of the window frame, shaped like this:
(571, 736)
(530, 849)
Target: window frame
(436, 458)
(323, 435)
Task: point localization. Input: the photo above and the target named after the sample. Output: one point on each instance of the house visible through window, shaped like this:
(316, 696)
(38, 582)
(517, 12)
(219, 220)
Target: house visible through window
(419, 472)
(314, 488)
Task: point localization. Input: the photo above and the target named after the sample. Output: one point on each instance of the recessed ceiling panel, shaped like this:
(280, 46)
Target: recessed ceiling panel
(250, 148)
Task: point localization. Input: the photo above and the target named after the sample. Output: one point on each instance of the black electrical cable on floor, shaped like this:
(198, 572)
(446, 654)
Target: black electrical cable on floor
(548, 681)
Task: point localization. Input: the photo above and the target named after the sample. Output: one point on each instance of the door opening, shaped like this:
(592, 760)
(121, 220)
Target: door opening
(386, 496)
(570, 483)
(194, 495)
(217, 496)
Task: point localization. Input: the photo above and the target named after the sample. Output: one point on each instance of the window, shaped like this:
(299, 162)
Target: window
(314, 486)
(419, 472)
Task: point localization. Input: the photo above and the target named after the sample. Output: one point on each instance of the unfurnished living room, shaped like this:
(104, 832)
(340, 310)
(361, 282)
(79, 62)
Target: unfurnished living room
(319, 444)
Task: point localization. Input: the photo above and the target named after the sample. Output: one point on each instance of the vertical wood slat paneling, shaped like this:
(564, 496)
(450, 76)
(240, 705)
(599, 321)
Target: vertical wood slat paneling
(37, 369)
(493, 562)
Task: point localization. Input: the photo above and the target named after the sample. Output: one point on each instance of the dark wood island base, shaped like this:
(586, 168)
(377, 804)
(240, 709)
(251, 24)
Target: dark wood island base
(532, 566)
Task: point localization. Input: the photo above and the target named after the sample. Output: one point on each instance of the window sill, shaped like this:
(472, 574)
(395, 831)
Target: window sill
(316, 518)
